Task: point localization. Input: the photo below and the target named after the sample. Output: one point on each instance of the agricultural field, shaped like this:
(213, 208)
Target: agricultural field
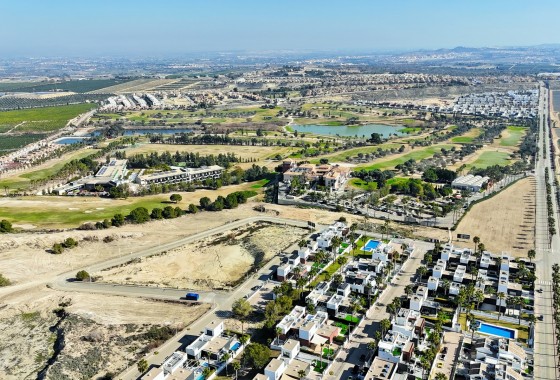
(23, 180)
(137, 85)
(46, 119)
(510, 225)
(79, 86)
(11, 143)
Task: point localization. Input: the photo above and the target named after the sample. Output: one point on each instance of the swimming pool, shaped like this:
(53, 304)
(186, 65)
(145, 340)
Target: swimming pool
(370, 245)
(496, 331)
(236, 346)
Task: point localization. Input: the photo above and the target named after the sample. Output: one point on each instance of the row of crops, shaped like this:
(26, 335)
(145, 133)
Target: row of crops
(13, 103)
(79, 86)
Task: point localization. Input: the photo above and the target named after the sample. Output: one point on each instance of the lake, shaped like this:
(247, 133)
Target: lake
(349, 130)
(70, 140)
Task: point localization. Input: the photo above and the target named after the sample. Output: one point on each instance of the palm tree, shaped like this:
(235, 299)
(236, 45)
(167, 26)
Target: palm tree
(445, 285)
(440, 376)
(422, 271)
(236, 367)
(301, 373)
(335, 243)
(385, 325)
(224, 358)
(475, 240)
(372, 345)
(478, 298)
(408, 290)
(341, 261)
(243, 339)
(531, 254)
(302, 243)
(519, 302)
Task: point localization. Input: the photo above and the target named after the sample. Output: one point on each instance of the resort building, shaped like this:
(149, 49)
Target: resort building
(177, 175)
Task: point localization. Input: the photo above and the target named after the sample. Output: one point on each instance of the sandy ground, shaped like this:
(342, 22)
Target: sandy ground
(101, 332)
(205, 265)
(505, 222)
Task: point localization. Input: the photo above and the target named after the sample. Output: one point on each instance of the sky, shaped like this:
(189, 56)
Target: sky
(158, 28)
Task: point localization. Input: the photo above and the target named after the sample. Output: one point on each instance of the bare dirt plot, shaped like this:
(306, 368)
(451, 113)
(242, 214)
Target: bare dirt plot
(100, 332)
(504, 222)
(218, 262)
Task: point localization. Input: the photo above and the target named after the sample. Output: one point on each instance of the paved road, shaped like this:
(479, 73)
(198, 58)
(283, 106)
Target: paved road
(366, 330)
(548, 250)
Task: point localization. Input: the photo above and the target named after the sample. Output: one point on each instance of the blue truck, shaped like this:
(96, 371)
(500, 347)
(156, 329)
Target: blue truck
(192, 296)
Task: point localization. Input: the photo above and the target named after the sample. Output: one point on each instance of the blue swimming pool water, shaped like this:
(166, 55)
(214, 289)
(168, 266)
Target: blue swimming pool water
(371, 245)
(495, 330)
(236, 346)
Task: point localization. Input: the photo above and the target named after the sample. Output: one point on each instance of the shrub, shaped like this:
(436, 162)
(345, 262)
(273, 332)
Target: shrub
(5, 226)
(82, 275)
(57, 248)
(4, 281)
(69, 243)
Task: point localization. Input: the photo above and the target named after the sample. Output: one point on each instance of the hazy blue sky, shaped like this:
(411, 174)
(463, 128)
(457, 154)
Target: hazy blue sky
(174, 27)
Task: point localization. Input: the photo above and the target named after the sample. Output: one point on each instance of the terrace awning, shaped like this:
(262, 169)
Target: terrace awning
(317, 339)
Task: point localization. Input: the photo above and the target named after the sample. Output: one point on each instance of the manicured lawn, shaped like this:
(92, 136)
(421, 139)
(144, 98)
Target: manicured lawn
(328, 352)
(343, 328)
(351, 318)
(341, 156)
(319, 366)
(260, 184)
(515, 135)
(490, 158)
(361, 184)
(462, 139)
(417, 154)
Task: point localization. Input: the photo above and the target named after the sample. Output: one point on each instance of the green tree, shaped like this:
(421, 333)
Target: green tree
(175, 198)
(241, 308)
(118, 220)
(204, 202)
(441, 376)
(256, 355)
(193, 209)
(142, 366)
(139, 215)
(156, 213)
(82, 275)
(169, 212)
